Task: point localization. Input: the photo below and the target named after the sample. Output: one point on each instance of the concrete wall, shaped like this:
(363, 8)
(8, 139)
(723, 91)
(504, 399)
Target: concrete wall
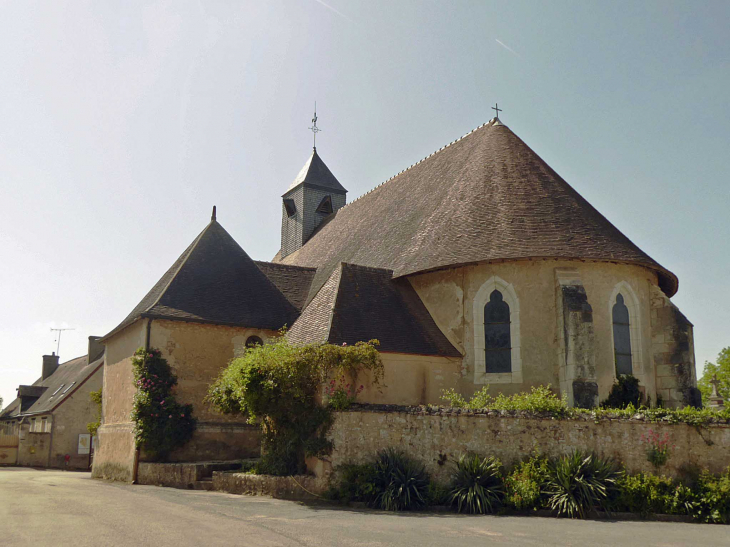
(70, 420)
(33, 448)
(437, 439)
(449, 296)
(197, 353)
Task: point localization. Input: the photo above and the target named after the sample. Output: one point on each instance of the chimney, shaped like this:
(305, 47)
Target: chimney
(50, 364)
(96, 348)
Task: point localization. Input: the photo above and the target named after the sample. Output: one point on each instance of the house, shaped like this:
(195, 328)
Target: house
(478, 265)
(48, 418)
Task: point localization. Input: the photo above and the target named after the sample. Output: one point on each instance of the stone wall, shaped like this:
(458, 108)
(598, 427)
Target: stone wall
(438, 438)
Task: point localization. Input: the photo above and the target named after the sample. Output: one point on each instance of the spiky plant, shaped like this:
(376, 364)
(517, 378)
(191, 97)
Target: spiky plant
(477, 485)
(581, 482)
(401, 483)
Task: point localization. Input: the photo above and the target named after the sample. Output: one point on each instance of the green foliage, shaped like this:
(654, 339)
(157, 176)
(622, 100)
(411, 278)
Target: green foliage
(712, 498)
(624, 392)
(477, 485)
(722, 368)
(93, 427)
(161, 424)
(579, 483)
(279, 387)
(356, 482)
(438, 494)
(341, 393)
(539, 399)
(525, 484)
(645, 494)
(401, 483)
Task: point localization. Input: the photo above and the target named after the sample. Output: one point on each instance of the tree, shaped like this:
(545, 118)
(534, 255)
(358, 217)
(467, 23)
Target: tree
(722, 369)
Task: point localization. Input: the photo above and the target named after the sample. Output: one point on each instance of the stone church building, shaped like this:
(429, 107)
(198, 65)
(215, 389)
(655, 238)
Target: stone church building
(479, 265)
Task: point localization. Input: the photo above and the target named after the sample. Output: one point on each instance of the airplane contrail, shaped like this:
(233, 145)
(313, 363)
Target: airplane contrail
(334, 10)
(505, 46)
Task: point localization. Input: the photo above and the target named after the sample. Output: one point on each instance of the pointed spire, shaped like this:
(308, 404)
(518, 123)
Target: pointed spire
(212, 217)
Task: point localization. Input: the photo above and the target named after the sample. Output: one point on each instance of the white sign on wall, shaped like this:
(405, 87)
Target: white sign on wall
(84, 443)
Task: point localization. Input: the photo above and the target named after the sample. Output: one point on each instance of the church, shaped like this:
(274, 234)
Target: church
(477, 266)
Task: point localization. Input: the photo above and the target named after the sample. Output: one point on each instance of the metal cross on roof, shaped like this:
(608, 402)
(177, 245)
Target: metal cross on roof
(497, 110)
(314, 129)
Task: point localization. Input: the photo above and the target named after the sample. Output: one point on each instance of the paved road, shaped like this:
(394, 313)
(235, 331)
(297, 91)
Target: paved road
(59, 508)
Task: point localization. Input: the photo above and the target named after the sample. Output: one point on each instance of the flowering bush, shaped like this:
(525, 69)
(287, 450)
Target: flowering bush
(658, 449)
(340, 395)
(161, 424)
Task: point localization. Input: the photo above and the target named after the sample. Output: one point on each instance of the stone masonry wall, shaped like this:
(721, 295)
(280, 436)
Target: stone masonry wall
(439, 437)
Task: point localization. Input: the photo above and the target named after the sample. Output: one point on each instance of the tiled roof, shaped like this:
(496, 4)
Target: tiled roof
(215, 281)
(358, 304)
(485, 197)
(317, 175)
(58, 386)
(292, 281)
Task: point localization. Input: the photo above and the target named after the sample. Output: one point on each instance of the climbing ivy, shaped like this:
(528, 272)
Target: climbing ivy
(161, 424)
(93, 427)
(279, 386)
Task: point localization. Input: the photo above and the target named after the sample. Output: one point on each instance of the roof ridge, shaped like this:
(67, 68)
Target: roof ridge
(281, 264)
(189, 252)
(366, 268)
(419, 162)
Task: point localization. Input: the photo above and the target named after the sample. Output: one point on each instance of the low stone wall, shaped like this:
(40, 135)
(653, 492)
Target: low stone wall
(181, 475)
(299, 487)
(438, 437)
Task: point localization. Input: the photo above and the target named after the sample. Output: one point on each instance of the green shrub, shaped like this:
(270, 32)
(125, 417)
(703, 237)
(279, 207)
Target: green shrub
(355, 482)
(437, 494)
(579, 483)
(624, 392)
(645, 494)
(279, 385)
(525, 485)
(161, 424)
(539, 399)
(477, 485)
(711, 502)
(401, 483)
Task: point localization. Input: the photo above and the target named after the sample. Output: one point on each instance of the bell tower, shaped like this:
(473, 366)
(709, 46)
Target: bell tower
(312, 197)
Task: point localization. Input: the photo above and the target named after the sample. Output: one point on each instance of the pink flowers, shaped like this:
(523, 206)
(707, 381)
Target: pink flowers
(658, 449)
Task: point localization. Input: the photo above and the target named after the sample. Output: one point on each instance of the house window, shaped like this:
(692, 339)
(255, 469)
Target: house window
(59, 389)
(69, 387)
(253, 341)
(497, 343)
(290, 207)
(622, 336)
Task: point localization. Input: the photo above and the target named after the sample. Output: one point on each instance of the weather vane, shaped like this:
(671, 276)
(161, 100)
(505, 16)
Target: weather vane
(314, 129)
(497, 110)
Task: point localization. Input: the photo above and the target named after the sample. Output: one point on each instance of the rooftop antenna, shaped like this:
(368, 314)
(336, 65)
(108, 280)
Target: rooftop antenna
(497, 110)
(58, 340)
(314, 129)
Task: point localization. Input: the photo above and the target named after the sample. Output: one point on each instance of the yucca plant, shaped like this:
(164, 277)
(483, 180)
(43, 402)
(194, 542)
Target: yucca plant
(477, 485)
(401, 483)
(581, 482)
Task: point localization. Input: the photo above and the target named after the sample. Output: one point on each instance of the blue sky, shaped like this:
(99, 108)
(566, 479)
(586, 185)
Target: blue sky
(124, 122)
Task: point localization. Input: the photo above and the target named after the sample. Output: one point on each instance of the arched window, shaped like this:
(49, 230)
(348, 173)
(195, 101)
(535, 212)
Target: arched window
(621, 336)
(496, 320)
(497, 342)
(253, 341)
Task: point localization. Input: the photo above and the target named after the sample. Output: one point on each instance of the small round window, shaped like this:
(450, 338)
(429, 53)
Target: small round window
(253, 341)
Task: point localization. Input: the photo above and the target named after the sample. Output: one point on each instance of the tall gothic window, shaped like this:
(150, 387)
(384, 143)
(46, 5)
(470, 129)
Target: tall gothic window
(497, 345)
(621, 336)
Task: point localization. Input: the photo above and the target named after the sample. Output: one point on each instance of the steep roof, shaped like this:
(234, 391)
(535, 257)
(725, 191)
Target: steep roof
(215, 281)
(58, 386)
(316, 174)
(484, 197)
(358, 303)
(293, 281)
